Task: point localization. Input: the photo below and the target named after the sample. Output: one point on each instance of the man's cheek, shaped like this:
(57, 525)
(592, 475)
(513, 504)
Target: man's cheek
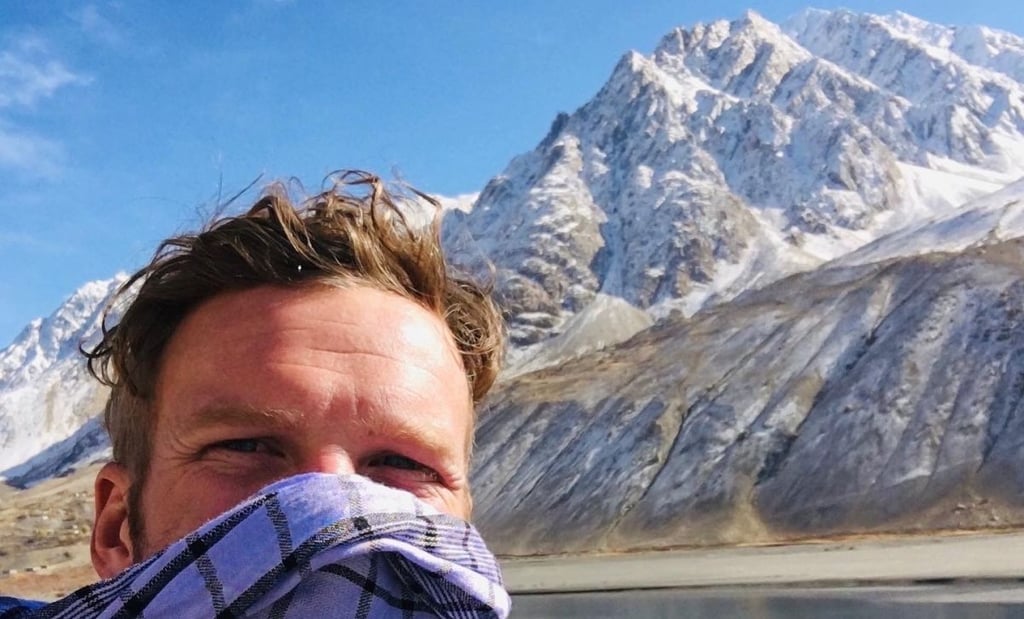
(173, 508)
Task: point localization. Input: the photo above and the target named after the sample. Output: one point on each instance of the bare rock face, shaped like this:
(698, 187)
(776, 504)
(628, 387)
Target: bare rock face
(849, 399)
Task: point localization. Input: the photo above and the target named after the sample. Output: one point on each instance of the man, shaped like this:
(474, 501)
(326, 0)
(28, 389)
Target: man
(285, 344)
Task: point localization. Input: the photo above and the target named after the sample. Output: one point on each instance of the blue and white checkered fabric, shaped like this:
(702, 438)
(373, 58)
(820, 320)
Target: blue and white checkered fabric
(309, 546)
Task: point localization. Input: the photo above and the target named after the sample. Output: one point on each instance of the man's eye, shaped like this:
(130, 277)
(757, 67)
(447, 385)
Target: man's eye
(395, 461)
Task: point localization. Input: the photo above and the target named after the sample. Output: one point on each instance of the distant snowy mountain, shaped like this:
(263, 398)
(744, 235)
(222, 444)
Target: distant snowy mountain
(740, 152)
(462, 202)
(766, 283)
(46, 395)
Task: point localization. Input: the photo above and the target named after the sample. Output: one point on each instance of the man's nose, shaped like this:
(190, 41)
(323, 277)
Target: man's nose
(331, 460)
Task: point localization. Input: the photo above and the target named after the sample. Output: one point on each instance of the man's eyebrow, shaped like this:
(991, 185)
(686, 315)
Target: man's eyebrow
(235, 416)
(406, 429)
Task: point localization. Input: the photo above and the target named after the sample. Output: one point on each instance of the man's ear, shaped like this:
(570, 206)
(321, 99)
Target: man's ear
(111, 546)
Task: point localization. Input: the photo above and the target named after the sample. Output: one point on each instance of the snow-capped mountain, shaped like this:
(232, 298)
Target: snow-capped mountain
(740, 152)
(46, 396)
(760, 248)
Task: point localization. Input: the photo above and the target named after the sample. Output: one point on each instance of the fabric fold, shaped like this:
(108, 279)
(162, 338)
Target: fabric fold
(314, 545)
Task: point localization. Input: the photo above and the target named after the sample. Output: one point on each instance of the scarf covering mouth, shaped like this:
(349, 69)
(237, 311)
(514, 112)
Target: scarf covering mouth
(314, 545)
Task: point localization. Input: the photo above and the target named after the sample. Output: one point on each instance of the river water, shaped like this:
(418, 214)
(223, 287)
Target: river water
(918, 602)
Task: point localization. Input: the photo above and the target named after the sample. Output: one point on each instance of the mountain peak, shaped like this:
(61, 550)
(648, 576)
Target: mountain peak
(47, 341)
(753, 19)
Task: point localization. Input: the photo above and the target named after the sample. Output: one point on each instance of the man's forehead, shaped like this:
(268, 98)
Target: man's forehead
(272, 357)
(425, 426)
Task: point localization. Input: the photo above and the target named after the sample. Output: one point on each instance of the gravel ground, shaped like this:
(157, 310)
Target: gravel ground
(44, 545)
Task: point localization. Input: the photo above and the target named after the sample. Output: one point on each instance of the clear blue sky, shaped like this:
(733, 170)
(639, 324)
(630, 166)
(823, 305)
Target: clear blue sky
(120, 120)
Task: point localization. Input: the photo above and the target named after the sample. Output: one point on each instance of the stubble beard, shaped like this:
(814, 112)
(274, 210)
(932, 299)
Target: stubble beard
(136, 522)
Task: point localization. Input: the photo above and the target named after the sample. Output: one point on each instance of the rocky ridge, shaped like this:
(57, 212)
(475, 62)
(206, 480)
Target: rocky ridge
(878, 397)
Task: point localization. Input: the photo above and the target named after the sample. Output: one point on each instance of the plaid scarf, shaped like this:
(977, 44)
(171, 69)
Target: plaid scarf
(314, 545)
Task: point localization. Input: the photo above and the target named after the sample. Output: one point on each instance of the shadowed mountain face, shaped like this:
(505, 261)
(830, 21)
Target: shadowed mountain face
(848, 399)
(765, 284)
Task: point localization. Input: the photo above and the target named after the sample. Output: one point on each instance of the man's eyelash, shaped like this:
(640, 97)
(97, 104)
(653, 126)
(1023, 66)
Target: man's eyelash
(402, 462)
(244, 445)
(265, 446)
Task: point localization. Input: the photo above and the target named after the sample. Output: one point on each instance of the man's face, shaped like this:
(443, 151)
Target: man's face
(267, 383)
